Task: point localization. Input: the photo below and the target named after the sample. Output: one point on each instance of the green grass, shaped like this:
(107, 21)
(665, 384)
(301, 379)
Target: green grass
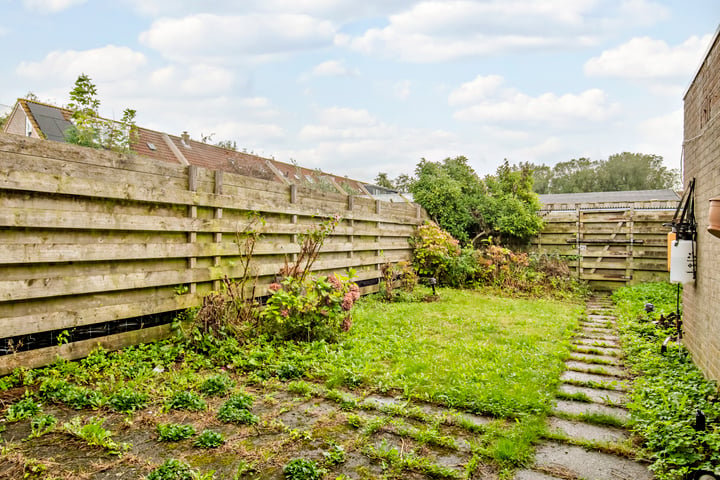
(488, 355)
(473, 352)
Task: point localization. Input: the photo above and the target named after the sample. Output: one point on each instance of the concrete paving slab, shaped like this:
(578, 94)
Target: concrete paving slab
(591, 342)
(595, 394)
(585, 431)
(589, 465)
(609, 336)
(609, 370)
(589, 357)
(532, 475)
(602, 381)
(614, 352)
(577, 408)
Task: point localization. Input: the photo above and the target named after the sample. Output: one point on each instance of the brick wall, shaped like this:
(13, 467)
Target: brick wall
(701, 299)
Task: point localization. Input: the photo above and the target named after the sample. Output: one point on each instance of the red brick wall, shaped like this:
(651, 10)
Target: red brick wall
(701, 299)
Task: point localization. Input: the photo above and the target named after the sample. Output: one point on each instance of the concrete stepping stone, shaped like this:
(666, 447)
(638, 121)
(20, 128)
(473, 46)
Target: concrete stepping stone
(533, 475)
(591, 342)
(594, 380)
(608, 370)
(585, 431)
(589, 357)
(588, 465)
(589, 349)
(595, 394)
(577, 408)
(591, 335)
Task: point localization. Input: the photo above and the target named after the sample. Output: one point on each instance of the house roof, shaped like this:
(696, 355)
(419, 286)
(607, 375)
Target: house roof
(609, 197)
(52, 121)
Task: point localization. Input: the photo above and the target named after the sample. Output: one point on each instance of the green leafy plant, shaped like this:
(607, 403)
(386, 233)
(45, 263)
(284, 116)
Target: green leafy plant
(174, 432)
(26, 407)
(668, 389)
(127, 400)
(237, 410)
(74, 396)
(303, 469)
(217, 385)
(209, 439)
(41, 425)
(334, 456)
(186, 401)
(173, 469)
(93, 433)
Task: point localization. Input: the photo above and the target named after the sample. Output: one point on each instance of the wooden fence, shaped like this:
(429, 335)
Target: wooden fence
(89, 237)
(610, 245)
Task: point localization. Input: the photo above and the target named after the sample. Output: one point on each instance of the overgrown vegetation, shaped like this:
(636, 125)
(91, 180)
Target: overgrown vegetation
(439, 255)
(670, 394)
(501, 360)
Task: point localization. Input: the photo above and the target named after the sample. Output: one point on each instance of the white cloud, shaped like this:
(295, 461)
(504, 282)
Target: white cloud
(333, 68)
(50, 6)
(197, 80)
(662, 135)
(101, 64)
(486, 99)
(647, 58)
(4, 31)
(476, 90)
(435, 30)
(208, 37)
(401, 89)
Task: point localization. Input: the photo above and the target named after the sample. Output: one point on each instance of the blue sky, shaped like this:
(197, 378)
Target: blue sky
(360, 87)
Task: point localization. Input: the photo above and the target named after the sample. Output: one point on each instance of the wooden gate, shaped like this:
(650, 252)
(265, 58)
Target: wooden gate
(610, 246)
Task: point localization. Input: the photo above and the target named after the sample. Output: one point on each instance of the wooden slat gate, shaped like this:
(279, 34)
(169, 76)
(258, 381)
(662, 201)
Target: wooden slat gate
(611, 246)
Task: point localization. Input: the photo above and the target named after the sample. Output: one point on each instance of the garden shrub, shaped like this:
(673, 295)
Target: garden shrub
(669, 389)
(402, 275)
(313, 308)
(433, 251)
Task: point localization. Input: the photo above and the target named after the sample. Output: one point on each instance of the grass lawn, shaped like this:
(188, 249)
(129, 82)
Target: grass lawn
(456, 389)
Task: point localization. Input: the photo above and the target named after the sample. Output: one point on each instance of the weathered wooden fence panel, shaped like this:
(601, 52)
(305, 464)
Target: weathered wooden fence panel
(89, 237)
(610, 245)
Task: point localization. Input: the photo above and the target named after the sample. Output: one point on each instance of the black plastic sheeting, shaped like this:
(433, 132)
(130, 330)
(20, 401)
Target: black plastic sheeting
(33, 341)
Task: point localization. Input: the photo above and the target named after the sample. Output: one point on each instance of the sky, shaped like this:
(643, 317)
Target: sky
(355, 88)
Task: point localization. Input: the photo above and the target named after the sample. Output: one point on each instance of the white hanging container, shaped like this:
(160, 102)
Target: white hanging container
(682, 262)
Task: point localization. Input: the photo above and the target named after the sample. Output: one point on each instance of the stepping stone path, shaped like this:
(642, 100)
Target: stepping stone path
(593, 387)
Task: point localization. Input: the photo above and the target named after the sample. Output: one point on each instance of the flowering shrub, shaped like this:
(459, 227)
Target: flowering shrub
(310, 308)
(433, 250)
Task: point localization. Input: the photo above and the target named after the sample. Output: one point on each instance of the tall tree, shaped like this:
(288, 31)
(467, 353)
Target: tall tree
(382, 180)
(502, 206)
(622, 171)
(89, 129)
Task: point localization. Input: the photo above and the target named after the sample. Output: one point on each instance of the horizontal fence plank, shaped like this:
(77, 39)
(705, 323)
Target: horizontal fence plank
(54, 253)
(162, 191)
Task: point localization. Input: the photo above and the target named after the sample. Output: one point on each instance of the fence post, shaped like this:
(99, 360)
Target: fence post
(351, 224)
(192, 213)
(294, 218)
(217, 237)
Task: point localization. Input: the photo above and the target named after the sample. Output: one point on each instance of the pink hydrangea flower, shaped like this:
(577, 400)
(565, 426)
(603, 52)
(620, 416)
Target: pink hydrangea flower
(285, 312)
(347, 301)
(346, 323)
(274, 287)
(334, 281)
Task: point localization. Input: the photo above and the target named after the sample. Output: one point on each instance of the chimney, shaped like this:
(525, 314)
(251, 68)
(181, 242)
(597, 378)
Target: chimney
(185, 139)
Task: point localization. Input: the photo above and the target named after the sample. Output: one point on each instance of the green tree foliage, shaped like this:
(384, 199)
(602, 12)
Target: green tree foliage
(620, 172)
(501, 206)
(89, 129)
(382, 180)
